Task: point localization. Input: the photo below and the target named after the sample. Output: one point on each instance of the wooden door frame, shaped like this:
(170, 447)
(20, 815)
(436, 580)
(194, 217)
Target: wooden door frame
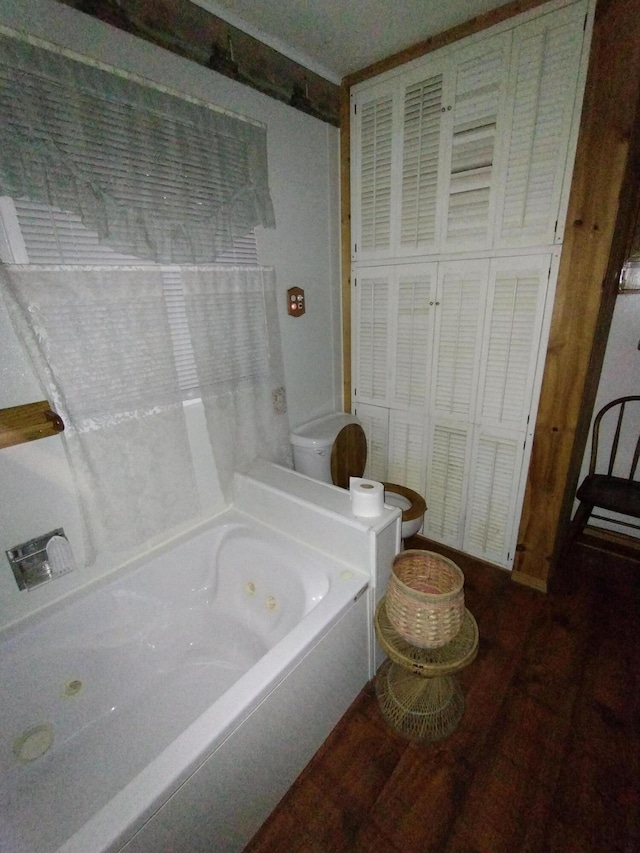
(600, 205)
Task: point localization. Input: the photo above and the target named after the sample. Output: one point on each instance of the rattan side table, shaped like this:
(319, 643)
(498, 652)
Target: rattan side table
(418, 693)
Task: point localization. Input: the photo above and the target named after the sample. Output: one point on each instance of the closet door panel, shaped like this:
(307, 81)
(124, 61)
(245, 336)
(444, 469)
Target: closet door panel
(407, 459)
(373, 300)
(543, 83)
(411, 333)
(496, 463)
(375, 180)
(446, 482)
(375, 423)
(422, 161)
(513, 323)
(460, 303)
(475, 112)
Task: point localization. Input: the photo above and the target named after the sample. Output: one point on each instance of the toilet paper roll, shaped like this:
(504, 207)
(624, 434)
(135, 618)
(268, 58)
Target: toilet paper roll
(367, 497)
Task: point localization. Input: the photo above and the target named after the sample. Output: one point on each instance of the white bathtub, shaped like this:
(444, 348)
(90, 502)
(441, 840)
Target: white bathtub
(169, 707)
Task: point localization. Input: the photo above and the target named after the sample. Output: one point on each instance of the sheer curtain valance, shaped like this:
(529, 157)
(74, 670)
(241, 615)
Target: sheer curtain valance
(156, 176)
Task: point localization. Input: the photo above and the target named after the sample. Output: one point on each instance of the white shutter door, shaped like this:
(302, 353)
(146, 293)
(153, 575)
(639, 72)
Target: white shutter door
(477, 106)
(458, 321)
(446, 482)
(372, 299)
(375, 423)
(542, 92)
(412, 333)
(515, 307)
(421, 164)
(495, 471)
(406, 457)
(373, 155)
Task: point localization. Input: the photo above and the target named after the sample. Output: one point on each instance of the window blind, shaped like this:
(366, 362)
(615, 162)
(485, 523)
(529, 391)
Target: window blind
(154, 176)
(54, 236)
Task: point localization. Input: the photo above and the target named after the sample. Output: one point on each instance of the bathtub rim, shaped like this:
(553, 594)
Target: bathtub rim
(119, 819)
(136, 561)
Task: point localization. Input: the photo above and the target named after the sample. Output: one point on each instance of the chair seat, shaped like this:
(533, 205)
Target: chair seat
(613, 493)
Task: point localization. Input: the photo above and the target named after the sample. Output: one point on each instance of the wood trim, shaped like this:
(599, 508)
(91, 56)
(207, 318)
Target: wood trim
(345, 240)
(538, 584)
(19, 424)
(468, 28)
(587, 283)
(460, 558)
(188, 30)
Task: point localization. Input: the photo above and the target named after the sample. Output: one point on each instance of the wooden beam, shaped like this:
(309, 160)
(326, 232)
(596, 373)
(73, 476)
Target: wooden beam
(586, 288)
(188, 30)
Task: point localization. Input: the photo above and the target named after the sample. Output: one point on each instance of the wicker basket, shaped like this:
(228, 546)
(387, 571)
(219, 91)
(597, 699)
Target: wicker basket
(421, 709)
(425, 598)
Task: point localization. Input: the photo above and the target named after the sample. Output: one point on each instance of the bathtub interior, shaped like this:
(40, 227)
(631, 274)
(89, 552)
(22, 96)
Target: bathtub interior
(96, 690)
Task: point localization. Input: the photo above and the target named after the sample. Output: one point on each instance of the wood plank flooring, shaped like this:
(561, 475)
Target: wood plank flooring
(546, 758)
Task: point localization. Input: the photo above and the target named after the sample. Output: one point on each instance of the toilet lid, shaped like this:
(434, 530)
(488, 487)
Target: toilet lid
(348, 455)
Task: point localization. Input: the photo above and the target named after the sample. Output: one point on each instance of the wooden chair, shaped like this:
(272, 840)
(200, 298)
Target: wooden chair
(615, 445)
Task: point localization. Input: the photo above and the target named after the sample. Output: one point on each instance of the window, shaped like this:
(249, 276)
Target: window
(155, 175)
(36, 233)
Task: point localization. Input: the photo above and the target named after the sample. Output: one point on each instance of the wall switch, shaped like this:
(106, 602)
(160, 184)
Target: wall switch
(295, 301)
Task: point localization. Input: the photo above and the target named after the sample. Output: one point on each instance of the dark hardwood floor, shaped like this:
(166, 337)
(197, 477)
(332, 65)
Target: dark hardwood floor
(546, 758)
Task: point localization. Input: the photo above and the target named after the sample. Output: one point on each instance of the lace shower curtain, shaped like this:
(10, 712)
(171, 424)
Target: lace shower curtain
(233, 322)
(100, 343)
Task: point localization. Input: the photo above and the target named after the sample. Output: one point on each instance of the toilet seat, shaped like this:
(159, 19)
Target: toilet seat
(348, 459)
(418, 504)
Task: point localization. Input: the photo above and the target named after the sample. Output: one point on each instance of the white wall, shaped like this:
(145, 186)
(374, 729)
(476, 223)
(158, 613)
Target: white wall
(36, 490)
(620, 376)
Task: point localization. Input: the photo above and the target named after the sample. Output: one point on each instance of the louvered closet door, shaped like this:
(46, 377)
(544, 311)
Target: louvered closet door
(393, 324)
(474, 105)
(372, 298)
(422, 162)
(504, 420)
(511, 343)
(406, 460)
(375, 423)
(496, 463)
(411, 333)
(447, 476)
(459, 314)
(374, 171)
(541, 108)
(412, 337)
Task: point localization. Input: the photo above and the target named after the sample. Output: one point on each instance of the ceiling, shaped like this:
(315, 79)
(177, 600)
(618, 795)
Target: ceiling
(336, 37)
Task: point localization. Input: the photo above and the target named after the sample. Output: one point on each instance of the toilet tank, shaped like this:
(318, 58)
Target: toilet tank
(312, 443)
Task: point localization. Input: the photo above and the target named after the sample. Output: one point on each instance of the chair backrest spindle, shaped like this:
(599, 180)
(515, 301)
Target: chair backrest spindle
(636, 458)
(616, 440)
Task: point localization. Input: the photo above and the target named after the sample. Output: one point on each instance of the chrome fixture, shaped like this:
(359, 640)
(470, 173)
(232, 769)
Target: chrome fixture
(41, 559)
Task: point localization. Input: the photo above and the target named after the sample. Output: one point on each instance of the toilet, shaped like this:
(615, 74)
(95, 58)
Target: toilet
(334, 448)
